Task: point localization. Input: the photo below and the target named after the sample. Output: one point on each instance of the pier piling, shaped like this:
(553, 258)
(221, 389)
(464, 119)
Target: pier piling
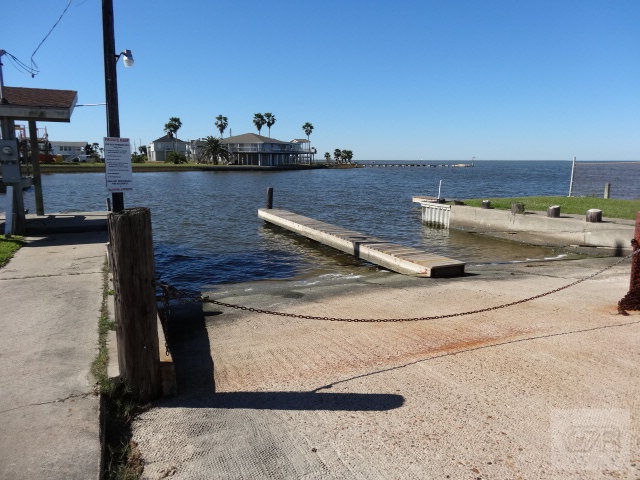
(631, 301)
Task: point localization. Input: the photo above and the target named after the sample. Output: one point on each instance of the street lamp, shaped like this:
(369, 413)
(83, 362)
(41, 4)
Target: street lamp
(111, 83)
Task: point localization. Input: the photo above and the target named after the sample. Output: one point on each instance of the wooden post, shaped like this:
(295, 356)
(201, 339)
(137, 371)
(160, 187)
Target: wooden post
(35, 163)
(553, 211)
(132, 266)
(594, 215)
(632, 300)
(486, 204)
(517, 208)
(607, 190)
(270, 198)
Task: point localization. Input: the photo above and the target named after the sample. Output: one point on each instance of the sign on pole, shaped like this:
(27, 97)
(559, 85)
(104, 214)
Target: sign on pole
(117, 159)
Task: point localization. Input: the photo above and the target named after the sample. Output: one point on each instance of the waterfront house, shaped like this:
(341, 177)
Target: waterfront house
(253, 149)
(159, 149)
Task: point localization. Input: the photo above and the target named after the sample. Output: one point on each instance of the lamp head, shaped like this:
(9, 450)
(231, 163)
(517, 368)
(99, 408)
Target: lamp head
(128, 58)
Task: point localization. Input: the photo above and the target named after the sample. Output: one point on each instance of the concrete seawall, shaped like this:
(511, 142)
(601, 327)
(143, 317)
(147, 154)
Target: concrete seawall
(537, 228)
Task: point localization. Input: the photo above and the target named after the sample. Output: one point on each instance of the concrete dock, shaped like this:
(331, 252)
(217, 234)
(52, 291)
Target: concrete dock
(401, 259)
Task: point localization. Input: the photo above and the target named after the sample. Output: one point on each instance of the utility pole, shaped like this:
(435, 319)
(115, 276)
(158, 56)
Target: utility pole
(111, 86)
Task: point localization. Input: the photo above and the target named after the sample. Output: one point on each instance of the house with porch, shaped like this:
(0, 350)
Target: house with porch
(253, 149)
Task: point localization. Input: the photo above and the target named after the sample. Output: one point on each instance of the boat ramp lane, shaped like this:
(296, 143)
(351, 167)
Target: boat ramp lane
(401, 259)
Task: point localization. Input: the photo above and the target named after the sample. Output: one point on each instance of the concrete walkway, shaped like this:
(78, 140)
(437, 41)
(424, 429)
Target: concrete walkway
(50, 298)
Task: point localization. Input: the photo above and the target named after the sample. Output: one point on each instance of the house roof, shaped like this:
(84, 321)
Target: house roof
(250, 138)
(38, 104)
(167, 138)
(300, 140)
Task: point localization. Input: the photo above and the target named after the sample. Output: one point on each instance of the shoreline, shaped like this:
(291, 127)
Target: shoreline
(166, 167)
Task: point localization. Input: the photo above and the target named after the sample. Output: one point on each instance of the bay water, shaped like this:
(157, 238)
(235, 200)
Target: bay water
(206, 230)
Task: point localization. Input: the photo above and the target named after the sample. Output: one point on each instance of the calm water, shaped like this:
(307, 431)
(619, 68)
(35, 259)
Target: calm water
(206, 230)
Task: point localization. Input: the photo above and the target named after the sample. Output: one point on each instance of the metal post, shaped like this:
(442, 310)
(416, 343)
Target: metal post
(632, 300)
(573, 167)
(111, 85)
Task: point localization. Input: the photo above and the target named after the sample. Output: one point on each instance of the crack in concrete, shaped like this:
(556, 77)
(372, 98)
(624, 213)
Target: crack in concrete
(59, 400)
(52, 275)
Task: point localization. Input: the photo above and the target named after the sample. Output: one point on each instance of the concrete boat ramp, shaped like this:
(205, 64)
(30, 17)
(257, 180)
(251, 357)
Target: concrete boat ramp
(401, 259)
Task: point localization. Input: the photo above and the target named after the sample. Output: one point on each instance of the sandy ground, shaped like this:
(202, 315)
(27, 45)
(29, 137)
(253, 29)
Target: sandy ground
(545, 389)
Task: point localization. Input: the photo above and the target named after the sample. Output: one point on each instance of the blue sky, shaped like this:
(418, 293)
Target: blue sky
(408, 79)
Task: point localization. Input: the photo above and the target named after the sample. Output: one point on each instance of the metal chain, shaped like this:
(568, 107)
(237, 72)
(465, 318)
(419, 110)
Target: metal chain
(175, 294)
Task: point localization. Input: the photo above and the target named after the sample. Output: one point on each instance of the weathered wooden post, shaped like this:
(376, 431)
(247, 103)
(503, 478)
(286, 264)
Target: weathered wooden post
(132, 266)
(553, 211)
(270, 198)
(607, 190)
(517, 208)
(594, 215)
(631, 301)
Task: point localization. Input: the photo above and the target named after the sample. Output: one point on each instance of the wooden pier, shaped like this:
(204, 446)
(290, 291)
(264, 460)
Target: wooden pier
(401, 259)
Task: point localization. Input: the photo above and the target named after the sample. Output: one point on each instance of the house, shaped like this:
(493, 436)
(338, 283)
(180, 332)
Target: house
(253, 149)
(159, 149)
(68, 150)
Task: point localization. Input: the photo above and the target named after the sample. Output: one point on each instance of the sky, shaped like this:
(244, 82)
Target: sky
(402, 79)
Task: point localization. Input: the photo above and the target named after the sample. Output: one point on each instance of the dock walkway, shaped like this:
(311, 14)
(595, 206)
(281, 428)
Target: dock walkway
(401, 259)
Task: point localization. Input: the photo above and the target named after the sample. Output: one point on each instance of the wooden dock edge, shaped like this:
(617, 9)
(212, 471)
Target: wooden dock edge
(401, 259)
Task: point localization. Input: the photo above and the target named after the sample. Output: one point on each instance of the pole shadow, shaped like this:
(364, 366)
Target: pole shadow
(191, 351)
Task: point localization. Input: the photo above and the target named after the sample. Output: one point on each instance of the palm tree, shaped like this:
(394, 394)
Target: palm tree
(308, 128)
(214, 150)
(259, 121)
(270, 119)
(327, 157)
(347, 156)
(337, 155)
(172, 126)
(221, 124)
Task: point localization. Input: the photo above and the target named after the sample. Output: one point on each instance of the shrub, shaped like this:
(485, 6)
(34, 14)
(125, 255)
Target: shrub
(176, 158)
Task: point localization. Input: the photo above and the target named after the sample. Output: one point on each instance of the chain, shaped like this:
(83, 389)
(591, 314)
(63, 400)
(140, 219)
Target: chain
(174, 293)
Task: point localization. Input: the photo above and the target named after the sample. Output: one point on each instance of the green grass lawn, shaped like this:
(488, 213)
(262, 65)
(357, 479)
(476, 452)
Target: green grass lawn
(611, 207)
(8, 246)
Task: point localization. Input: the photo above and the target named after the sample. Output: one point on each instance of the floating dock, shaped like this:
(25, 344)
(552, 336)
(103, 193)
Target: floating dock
(401, 259)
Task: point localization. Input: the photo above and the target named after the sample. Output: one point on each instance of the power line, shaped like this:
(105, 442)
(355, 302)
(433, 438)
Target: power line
(34, 65)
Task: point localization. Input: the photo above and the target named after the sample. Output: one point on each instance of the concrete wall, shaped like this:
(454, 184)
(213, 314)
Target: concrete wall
(540, 229)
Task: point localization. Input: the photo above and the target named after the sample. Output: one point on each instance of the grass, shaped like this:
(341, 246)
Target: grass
(122, 458)
(9, 246)
(611, 207)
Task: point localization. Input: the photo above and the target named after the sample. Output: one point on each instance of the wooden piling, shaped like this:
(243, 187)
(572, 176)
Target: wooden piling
(132, 267)
(631, 300)
(553, 211)
(594, 215)
(517, 208)
(270, 198)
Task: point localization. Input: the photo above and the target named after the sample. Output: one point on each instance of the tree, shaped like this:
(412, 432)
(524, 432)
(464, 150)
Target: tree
(269, 121)
(214, 150)
(308, 128)
(327, 157)
(172, 126)
(259, 121)
(347, 156)
(337, 155)
(93, 151)
(221, 124)
(142, 149)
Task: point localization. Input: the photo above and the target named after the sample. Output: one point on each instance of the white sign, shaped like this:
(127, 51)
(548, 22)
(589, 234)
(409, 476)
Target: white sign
(117, 159)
